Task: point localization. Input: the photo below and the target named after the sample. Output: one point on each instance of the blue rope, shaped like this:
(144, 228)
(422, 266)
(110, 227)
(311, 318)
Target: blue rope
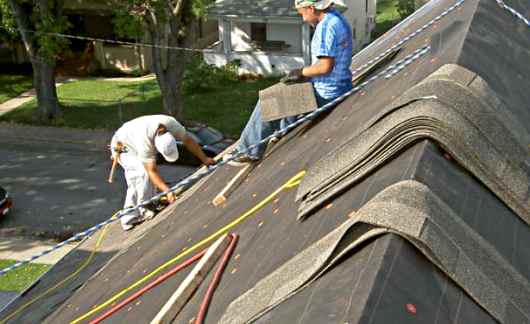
(389, 72)
(513, 12)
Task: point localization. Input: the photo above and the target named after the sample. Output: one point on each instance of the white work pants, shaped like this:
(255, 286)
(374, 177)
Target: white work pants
(139, 187)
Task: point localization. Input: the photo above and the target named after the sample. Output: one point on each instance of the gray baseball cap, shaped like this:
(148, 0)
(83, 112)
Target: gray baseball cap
(318, 4)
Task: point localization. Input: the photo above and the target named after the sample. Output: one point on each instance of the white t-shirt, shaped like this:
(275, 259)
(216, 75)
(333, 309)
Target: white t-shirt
(138, 135)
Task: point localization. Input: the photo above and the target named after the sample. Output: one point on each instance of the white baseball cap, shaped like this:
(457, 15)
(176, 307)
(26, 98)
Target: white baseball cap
(167, 146)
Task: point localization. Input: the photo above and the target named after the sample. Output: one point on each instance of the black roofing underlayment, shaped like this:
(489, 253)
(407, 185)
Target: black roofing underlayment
(414, 208)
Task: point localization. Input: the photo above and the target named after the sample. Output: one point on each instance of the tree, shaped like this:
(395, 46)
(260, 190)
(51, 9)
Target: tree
(405, 8)
(169, 24)
(34, 21)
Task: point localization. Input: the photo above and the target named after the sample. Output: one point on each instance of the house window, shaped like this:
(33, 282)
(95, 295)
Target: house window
(258, 32)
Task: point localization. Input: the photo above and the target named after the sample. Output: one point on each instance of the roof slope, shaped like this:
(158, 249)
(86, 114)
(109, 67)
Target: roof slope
(415, 201)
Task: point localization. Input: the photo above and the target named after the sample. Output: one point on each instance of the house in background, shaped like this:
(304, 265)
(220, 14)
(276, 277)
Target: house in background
(93, 19)
(268, 36)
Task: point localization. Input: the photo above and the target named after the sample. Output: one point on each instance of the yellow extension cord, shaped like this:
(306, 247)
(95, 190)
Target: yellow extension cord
(294, 181)
(71, 276)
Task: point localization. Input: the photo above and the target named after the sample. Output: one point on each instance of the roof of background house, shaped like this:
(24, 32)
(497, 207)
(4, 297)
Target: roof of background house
(415, 200)
(254, 8)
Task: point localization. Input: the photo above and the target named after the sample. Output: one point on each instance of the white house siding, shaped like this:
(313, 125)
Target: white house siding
(358, 15)
(237, 44)
(289, 33)
(122, 57)
(268, 63)
(257, 62)
(241, 36)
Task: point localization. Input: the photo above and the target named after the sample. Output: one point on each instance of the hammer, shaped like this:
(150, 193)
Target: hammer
(118, 149)
(111, 175)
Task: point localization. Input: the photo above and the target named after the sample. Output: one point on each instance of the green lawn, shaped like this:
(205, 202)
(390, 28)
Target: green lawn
(106, 104)
(387, 17)
(19, 279)
(13, 85)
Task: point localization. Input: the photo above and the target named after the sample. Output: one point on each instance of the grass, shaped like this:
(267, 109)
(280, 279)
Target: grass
(387, 17)
(21, 278)
(13, 85)
(106, 104)
(228, 107)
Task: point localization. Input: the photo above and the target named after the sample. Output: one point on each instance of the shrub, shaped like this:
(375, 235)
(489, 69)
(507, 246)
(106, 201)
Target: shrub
(405, 8)
(201, 77)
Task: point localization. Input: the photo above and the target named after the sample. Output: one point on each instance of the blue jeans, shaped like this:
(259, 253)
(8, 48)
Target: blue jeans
(256, 130)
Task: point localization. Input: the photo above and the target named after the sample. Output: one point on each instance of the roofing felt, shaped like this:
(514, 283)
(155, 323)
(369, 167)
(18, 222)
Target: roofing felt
(253, 8)
(406, 275)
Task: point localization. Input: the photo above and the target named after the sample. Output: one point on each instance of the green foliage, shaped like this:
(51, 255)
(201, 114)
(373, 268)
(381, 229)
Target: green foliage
(130, 18)
(387, 17)
(44, 23)
(127, 25)
(200, 77)
(8, 32)
(198, 7)
(49, 46)
(405, 8)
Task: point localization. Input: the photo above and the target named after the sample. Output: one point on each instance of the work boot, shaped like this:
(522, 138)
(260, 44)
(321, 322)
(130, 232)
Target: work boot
(148, 214)
(241, 160)
(129, 224)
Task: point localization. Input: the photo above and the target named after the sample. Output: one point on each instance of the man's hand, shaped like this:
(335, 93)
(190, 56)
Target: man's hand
(209, 161)
(171, 197)
(293, 76)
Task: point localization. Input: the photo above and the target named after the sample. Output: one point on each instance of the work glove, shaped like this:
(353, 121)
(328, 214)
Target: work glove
(293, 76)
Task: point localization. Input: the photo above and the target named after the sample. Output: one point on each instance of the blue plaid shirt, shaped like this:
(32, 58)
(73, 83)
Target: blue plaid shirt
(333, 38)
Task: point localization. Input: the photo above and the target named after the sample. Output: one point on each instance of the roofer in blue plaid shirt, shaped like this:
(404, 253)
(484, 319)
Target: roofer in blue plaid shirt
(331, 51)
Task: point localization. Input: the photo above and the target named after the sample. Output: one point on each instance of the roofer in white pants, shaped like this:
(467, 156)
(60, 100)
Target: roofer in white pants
(135, 145)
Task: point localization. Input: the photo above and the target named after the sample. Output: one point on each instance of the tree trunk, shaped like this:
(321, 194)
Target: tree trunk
(43, 74)
(44, 83)
(171, 74)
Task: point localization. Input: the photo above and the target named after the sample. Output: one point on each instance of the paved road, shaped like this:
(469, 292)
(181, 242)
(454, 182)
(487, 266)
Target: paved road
(60, 188)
